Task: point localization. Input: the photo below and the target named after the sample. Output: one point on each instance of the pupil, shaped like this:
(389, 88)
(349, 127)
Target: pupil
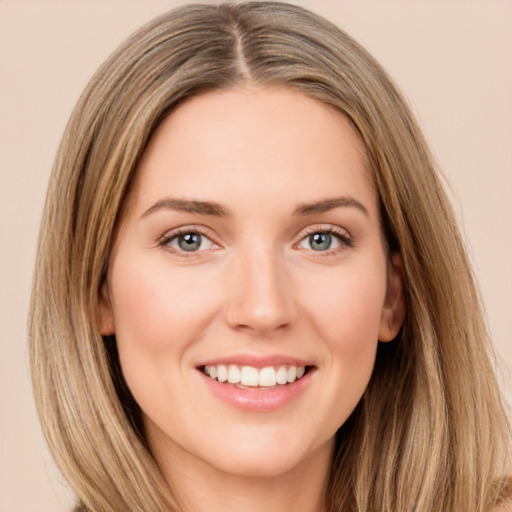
(189, 241)
(320, 241)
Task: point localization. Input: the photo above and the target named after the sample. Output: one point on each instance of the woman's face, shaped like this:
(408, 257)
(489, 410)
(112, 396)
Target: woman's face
(250, 249)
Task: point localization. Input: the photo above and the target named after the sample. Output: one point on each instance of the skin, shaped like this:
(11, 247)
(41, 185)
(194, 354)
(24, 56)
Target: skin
(256, 286)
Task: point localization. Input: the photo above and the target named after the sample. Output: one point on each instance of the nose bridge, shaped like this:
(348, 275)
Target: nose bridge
(260, 296)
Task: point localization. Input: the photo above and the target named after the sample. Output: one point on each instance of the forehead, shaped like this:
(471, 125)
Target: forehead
(274, 143)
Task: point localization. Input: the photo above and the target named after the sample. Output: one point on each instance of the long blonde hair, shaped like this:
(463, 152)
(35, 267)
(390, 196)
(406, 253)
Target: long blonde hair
(430, 432)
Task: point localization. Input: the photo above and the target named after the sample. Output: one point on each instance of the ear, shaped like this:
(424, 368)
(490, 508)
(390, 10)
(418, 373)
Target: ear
(393, 310)
(106, 315)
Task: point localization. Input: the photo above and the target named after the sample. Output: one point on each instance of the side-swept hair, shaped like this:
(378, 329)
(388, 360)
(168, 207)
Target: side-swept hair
(430, 432)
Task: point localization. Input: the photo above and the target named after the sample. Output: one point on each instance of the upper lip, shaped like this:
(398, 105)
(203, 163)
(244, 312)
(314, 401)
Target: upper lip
(257, 361)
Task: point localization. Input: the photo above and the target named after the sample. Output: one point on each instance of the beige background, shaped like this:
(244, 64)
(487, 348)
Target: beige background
(452, 60)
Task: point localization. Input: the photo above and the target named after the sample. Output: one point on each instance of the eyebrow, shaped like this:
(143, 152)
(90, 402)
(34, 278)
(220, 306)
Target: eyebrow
(330, 204)
(217, 210)
(188, 206)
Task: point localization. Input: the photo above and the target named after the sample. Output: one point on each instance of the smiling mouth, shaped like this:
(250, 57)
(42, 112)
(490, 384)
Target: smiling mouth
(269, 377)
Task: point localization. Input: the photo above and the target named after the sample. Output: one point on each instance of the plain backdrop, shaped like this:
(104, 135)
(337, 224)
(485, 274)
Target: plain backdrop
(452, 59)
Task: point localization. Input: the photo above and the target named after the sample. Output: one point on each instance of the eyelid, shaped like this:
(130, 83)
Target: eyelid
(342, 234)
(325, 228)
(164, 240)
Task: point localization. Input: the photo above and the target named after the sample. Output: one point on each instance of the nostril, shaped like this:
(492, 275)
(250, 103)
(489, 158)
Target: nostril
(260, 304)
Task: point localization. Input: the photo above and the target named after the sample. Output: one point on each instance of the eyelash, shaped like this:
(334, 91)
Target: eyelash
(343, 237)
(186, 230)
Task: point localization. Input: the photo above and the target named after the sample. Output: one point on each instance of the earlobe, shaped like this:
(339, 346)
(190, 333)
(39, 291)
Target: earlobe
(106, 316)
(393, 311)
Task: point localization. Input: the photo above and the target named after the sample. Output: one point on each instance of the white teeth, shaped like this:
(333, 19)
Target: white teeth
(269, 376)
(282, 375)
(249, 376)
(222, 373)
(233, 374)
(291, 374)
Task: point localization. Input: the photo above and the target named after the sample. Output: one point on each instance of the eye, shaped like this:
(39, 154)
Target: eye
(188, 241)
(324, 240)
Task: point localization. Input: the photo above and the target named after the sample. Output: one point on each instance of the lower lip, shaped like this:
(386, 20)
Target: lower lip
(258, 399)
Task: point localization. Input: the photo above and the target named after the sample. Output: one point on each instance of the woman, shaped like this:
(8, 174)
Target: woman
(250, 289)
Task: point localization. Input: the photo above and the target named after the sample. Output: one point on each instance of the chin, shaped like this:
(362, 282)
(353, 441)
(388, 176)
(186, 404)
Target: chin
(258, 465)
(273, 457)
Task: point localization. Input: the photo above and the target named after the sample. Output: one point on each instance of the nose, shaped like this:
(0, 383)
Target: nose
(260, 296)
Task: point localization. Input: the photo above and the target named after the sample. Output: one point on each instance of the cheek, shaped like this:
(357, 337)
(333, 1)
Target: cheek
(348, 308)
(347, 317)
(155, 308)
(159, 312)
